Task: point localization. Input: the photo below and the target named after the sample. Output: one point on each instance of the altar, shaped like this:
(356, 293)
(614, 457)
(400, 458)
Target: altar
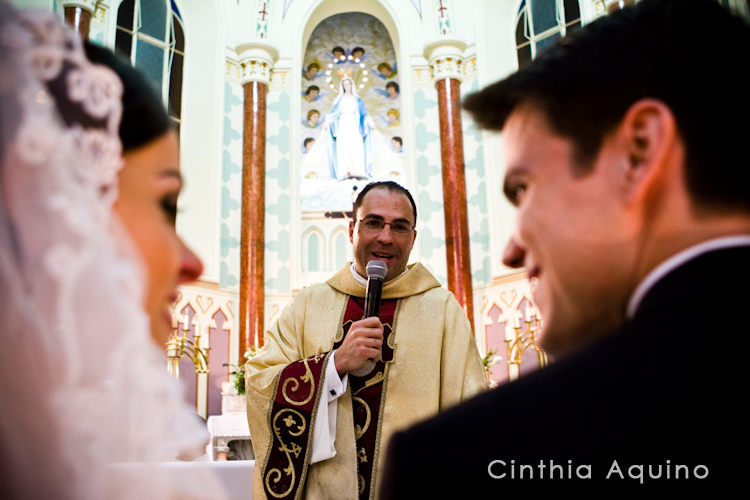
(197, 479)
(230, 437)
(229, 432)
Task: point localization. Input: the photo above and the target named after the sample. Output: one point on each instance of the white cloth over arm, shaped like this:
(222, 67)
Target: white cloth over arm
(324, 435)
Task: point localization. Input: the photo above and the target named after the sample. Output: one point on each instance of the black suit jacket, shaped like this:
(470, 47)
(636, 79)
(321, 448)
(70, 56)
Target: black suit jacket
(665, 390)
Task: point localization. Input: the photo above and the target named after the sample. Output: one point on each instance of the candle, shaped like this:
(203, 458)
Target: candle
(530, 313)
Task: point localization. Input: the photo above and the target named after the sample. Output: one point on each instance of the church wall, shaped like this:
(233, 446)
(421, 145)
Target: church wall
(52, 5)
(428, 188)
(495, 23)
(201, 132)
(280, 241)
(211, 141)
(231, 185)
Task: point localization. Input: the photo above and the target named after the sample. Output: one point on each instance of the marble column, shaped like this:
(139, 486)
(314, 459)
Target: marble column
(445, 58)
(78, 14)
(256, 62)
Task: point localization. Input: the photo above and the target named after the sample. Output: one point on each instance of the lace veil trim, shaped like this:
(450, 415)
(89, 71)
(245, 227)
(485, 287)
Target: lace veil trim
(81, 382)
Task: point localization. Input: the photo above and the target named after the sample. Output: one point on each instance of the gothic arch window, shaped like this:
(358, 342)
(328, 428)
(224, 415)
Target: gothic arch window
(741, 7)
(540, 22)
(312, 250)
(340, 247)
(150, 33)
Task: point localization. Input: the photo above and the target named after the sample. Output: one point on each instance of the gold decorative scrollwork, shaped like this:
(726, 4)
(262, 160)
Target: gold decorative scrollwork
(275, 475)
(359, 431)
(362, 455)
(307, 378)
(376, 378)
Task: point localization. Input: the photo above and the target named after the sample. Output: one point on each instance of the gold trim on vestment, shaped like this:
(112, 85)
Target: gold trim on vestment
(381, 410)
(295, 449)
(359, 431)
(307, 377)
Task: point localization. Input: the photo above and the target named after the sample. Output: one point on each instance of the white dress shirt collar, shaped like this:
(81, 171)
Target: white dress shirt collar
(676, 261)
(363, 281)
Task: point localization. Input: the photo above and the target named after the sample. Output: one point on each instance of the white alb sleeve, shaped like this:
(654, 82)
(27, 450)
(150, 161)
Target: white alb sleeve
(324, 435)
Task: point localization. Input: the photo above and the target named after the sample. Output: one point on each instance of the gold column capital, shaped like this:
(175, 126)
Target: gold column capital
(256, 60)
(89, 5)
(446, 58)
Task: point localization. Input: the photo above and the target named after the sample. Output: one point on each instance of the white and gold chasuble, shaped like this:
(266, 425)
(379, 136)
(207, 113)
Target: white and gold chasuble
(430, 361)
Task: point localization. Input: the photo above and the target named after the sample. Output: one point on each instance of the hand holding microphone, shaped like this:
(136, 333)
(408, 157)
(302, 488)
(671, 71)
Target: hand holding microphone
(363, 342)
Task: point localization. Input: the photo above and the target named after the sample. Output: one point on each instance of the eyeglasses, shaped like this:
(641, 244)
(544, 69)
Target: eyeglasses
(377, 225)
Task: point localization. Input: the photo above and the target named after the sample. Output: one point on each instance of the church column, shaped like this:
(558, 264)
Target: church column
(256, 61)
(78, 14)
(445, 58)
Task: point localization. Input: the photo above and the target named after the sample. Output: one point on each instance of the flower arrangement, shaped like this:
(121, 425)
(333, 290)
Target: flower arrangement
(487, 361)
(238, 371)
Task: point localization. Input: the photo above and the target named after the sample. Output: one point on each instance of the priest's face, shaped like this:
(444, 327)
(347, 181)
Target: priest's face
(392, 247)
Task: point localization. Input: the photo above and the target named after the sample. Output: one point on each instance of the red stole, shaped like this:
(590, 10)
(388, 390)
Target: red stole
(367, 394)
(298, 391)
(291, 420)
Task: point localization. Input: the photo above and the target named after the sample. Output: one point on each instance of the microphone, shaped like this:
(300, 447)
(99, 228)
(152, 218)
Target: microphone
(376, 271)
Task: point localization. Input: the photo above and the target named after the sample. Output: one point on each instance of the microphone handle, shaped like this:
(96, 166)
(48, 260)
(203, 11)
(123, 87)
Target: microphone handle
(372, 308)
(372, 297)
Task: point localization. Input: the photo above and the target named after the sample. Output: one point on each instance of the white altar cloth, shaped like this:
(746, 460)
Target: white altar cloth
(226, 428)
(234, 476)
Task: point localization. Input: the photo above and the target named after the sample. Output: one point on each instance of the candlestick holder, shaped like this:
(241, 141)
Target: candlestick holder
(180, 345)
(516, 347)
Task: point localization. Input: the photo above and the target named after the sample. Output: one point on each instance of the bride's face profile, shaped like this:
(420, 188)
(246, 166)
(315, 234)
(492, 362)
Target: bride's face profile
(150, 182)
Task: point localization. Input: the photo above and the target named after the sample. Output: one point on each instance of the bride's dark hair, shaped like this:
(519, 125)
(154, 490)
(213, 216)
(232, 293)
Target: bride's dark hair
(144, 117)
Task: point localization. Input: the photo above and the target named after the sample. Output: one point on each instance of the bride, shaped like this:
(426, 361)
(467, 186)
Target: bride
(89, 262)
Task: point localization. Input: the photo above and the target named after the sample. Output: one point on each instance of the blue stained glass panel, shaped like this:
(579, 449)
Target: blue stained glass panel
(543, 15)
(150, 60)
(154, 18)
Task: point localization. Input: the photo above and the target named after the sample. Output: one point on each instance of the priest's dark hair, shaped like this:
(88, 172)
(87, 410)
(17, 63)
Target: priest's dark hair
(393, 187)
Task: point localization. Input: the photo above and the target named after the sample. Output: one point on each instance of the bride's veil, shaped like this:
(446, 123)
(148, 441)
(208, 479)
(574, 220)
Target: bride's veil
(81, 383)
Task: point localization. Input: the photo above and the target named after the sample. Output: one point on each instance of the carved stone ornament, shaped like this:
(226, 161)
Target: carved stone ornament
(445, 57)
(256, 60)
(89, 5)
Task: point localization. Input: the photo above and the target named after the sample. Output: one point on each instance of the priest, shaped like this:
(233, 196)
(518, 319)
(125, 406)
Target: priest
(329, 387)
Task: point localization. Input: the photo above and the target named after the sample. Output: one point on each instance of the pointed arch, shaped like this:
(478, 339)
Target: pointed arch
(313, 250)
(339, 245)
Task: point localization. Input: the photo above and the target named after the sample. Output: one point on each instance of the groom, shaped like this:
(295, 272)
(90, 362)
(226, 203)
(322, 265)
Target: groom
(626, 155)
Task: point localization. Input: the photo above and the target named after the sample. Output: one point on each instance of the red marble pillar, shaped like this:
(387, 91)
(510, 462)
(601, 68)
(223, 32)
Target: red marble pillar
(252, 241)
(79, 19)
(454, 194)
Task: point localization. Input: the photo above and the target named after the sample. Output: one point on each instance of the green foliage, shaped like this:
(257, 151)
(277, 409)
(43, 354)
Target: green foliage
(238, 371)
(488, 361)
